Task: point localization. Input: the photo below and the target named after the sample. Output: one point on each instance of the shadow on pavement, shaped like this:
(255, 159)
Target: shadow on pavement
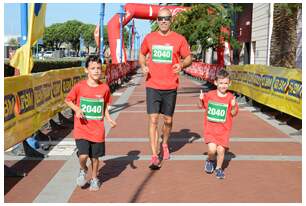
(119, 107)
(179, 139)
(114, 167)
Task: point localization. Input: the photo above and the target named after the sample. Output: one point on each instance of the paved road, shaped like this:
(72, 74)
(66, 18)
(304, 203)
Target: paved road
(264, 163)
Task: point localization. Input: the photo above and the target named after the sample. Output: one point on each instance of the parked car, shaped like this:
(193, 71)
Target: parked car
(48, 54)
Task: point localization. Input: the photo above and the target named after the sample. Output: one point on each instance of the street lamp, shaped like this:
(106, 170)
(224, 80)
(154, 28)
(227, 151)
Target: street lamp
(102, 9)
(121, 13)
(130, 35)
(138, 44)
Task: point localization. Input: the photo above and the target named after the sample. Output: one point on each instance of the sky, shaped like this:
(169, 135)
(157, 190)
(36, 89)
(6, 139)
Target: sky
(58, 13)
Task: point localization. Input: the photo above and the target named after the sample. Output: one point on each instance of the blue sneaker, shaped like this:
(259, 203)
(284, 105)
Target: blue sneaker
(219, 173)
(209, 166)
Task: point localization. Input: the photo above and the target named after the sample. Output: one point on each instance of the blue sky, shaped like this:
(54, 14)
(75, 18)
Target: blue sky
(59, 13)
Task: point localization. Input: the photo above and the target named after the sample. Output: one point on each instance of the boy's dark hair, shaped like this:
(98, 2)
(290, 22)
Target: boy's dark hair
(92, 58)
(222, 74)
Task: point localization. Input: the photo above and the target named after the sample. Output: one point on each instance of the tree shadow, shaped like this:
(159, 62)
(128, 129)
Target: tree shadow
(114, 167)
(177, 140)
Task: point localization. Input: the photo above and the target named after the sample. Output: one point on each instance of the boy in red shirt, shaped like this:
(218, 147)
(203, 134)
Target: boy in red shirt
(219, 107)
(89, 100)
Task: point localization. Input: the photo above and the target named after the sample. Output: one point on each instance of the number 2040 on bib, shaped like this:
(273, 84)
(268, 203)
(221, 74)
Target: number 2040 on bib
(216, 112)
(92, 108)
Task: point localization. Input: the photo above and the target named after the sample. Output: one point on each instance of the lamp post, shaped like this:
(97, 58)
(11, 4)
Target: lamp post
(121, 13)
(129, 43)
(137, 44)
(102, 11)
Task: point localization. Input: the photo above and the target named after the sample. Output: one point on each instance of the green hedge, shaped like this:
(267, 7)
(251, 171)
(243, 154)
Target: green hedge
(45, 65)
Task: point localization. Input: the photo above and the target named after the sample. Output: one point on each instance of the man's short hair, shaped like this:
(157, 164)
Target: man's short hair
(222, 74)
(92, 58)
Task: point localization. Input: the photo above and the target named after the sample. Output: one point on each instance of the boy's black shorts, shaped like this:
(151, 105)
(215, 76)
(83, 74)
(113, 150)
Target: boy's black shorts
(92, 149)
(161, 101)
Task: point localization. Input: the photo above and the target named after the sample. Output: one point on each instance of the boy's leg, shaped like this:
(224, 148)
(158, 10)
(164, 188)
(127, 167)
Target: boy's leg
(94, 167)
(83, 160)
(210, 162)
(220, 157)
(211, 153)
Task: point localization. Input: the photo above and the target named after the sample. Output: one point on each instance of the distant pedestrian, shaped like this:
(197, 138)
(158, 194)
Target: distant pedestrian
(220, 107)
(90, 99)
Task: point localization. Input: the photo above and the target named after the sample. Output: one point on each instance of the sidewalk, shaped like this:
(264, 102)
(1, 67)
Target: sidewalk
(264, 163)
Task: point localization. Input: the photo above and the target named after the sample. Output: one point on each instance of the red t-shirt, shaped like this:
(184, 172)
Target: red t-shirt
(92, 101)
(164, 52)
(218, 118)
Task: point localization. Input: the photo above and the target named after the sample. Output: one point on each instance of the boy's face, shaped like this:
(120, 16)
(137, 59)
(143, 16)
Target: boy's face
(222, 84)
(94, 71)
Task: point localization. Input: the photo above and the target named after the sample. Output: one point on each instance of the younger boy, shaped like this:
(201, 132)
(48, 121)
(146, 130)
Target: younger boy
(219, 107)
(89, 100)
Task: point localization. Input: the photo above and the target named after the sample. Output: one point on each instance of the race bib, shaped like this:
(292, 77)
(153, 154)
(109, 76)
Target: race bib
(92, 108)
(216, 112)
(162, 54)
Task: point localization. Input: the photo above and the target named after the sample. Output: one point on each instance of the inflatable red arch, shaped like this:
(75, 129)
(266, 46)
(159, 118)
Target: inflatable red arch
(140, 11)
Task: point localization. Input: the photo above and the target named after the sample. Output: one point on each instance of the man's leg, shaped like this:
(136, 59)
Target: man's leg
(167, 126)
(153, 133)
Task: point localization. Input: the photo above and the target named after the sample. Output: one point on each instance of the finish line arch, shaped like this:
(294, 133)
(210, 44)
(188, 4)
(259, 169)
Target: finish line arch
(148, 12)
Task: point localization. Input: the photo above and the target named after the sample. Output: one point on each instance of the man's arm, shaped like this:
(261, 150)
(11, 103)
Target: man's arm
(185, 63)
(142, 62)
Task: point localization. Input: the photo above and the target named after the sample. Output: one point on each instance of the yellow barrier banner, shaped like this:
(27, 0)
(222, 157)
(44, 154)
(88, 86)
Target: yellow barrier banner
(31, 100)
(277, 87)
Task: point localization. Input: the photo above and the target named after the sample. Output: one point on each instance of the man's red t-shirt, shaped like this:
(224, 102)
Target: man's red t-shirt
(164, 52)
(92, 101)
(218, 118)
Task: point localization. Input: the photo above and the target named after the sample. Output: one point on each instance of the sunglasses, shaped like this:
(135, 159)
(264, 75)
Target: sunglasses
(161, 18)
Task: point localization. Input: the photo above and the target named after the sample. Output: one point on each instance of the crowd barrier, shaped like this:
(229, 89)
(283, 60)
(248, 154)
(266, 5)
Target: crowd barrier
(277, 87)
(30, 101)
(203, 71)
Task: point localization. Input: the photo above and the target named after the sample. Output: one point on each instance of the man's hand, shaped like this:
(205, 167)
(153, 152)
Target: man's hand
(145, 69)
(177, 68)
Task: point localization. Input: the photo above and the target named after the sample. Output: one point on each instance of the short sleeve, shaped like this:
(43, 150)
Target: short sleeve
(107, 96)
(144, 46)
(72, 95)
(205, 101)
(184, 49)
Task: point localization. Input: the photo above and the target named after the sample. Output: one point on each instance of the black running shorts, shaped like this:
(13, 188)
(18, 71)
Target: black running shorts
(161, 101)
(92, 149)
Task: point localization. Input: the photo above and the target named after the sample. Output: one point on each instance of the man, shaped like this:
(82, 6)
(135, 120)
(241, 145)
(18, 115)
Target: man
(165, 48)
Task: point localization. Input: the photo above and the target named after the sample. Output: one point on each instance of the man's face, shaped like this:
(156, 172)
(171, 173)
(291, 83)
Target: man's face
(94, 70)
(164, 20)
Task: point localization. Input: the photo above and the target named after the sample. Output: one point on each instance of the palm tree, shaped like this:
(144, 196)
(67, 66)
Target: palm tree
(284, 35)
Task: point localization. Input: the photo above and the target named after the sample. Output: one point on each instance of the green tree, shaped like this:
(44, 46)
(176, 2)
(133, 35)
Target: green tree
(53, 37)
(203, 23)
(13, 42)
(72, 33)
(87, 32)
